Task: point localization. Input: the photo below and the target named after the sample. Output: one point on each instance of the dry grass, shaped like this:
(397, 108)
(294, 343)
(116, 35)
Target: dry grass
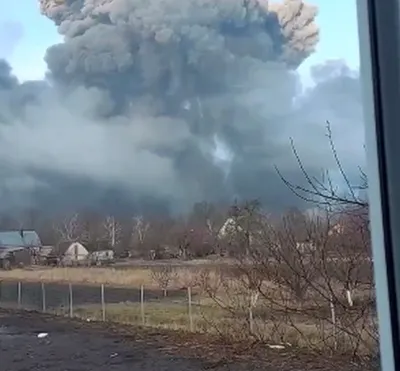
(129, 277)
(83, 275)
(209, 318)
(173, 315)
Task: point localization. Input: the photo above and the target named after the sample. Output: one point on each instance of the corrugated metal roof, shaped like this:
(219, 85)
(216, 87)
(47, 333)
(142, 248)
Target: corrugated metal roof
(16, 238)
(31, 238)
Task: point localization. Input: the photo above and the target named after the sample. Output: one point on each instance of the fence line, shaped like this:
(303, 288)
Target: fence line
(101, 303)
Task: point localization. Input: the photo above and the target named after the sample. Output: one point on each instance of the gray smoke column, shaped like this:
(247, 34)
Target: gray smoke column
(173, 100)
(290, 25)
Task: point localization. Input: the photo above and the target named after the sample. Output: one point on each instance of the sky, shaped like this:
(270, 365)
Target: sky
(32, 34)
(338, 33)
(25, 36)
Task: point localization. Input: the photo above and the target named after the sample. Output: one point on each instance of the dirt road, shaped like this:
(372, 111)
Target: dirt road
(70, 348)
(77, 346)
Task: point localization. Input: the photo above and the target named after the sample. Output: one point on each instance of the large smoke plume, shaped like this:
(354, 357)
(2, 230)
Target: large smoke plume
(169, 102)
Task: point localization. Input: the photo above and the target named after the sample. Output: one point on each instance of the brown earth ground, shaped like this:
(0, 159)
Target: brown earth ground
(74, 345)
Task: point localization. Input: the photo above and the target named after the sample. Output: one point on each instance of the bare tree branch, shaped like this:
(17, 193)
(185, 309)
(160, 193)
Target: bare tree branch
(321, 191)
(70, 229)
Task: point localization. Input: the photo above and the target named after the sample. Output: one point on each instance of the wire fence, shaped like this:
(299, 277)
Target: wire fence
(190, 311)
(141, 306)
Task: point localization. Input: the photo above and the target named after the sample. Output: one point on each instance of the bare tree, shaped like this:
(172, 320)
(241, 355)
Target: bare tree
(207, 219)
(241, 228)
(90, 223)
(70, 228)
(323, 192)
(189, 277)
(341, 257)
(112, 231)
(302, 269)
(156, 240)
(252, 280)
(140, 228)
(311, 280)
(181, 237)
(163, 276)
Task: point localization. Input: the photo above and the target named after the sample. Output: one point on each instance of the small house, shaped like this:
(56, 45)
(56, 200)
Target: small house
(72, 253)
(11, 257)
(24, 243)
(102, 257)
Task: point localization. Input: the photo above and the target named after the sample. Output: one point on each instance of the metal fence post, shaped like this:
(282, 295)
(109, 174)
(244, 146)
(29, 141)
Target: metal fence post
(71, 303)
(142, 305)
(190, 308)
(43, 298)
(103, 303)
(19, 299)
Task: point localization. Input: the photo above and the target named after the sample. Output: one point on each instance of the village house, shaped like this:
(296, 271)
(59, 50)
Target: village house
(20, 238)
(18, 248)
(70, 253)
(65, 253)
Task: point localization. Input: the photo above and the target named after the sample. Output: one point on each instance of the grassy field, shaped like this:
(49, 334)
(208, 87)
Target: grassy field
(209, 318)
(82, 275)
(170, 315)
(127, 277)
(226, 313)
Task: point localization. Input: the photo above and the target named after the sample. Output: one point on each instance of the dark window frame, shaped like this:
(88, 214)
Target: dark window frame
(379, 33)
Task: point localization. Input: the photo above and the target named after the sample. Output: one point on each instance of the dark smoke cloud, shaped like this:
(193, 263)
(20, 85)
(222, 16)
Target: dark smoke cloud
(142, 94)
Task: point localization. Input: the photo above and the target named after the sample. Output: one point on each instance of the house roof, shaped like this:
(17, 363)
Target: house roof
(24, 238)
(63, 247)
